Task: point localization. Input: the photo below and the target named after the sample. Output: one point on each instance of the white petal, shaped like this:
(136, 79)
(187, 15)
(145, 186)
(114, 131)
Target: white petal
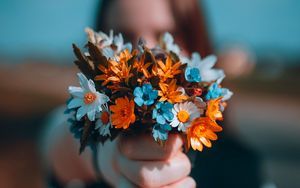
(176, 108)
(76, 91)
(180, 107)
(220, 79)
(104, 130)
(91, 86)
(102, 98)
(74, 103)
(180, 127)
(208, 62)
(211, 75)
(98, 124)
(174, 122)
(174, 112)
(91, 114)
(83, 81)
(226, 94)
(81, 112)
(195, 60)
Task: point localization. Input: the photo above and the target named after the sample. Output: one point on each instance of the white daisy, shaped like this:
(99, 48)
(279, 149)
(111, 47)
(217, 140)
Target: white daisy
(184, 114)
(86, 98)
(104, 121)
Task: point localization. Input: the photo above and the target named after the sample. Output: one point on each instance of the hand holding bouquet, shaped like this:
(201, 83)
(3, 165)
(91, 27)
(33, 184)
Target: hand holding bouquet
(157, 91)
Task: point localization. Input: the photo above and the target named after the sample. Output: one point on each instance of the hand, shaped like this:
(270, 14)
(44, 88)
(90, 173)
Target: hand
(138, 161)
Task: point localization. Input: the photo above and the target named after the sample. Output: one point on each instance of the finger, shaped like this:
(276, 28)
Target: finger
(107, 161)
(125, 183)
(144, 147)
(187, 182)
(154, 173)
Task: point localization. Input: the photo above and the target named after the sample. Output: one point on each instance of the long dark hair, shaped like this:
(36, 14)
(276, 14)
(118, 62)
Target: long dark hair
(190, 24)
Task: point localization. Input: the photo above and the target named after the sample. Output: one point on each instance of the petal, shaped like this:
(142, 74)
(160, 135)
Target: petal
(98, 124)
(139, 101)
(226, 94)
(176, 108)
(91, 86)
(211, 75)
(76, 91)
(168, 116)
(153, 95)
(148, 102)
(195, 60)
(174, 122)
(160, 119)
(208, 62)
(108, 52)
(74, 103)
(81, 112)
(83, 81)
(154, 114)
(91, 114)
(102, 98)
(138, 92)
(205, 141)
(196, 144)
(128, 46)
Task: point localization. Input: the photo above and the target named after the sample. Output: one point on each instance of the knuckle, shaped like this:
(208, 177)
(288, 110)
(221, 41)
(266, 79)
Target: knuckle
(192, 182)
(145, 178)
(125, 148)
(187, 164)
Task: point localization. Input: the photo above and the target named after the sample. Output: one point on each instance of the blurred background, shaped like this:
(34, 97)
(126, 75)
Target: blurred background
(258, 44)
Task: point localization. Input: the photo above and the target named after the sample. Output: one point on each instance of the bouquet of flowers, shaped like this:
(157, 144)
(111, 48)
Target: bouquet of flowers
(156, 91)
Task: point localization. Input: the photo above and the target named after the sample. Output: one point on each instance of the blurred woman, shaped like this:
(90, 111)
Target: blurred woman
(124, 162)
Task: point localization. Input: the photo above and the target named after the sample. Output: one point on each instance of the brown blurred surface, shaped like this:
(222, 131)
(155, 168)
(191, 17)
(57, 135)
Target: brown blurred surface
(20, 165)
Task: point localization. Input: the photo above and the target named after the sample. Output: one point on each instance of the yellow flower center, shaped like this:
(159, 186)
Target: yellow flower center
(183, 116)
(105, 117)
(89, 98)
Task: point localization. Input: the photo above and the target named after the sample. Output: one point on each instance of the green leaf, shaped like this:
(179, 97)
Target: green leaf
(87, 128)
(96, 55)
(83, 63)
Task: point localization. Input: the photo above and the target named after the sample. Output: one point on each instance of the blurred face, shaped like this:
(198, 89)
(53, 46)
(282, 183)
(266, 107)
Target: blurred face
(135, 18)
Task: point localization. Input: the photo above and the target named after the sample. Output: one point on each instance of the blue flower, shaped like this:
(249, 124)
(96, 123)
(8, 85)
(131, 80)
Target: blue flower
(192, 74)
(215, 91)
(163, 112)
(160, 132)
(145, 95)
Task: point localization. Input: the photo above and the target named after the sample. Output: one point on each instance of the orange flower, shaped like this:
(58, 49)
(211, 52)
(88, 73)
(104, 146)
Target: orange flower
(107, 76)
(213, 109)
(171, 93)
(124, 56)
(167, 70)
(116, 71)
(142, 66)
(201, 132)
(123, 113)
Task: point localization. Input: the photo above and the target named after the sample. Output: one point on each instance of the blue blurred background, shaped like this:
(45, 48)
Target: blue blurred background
(49, 27)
